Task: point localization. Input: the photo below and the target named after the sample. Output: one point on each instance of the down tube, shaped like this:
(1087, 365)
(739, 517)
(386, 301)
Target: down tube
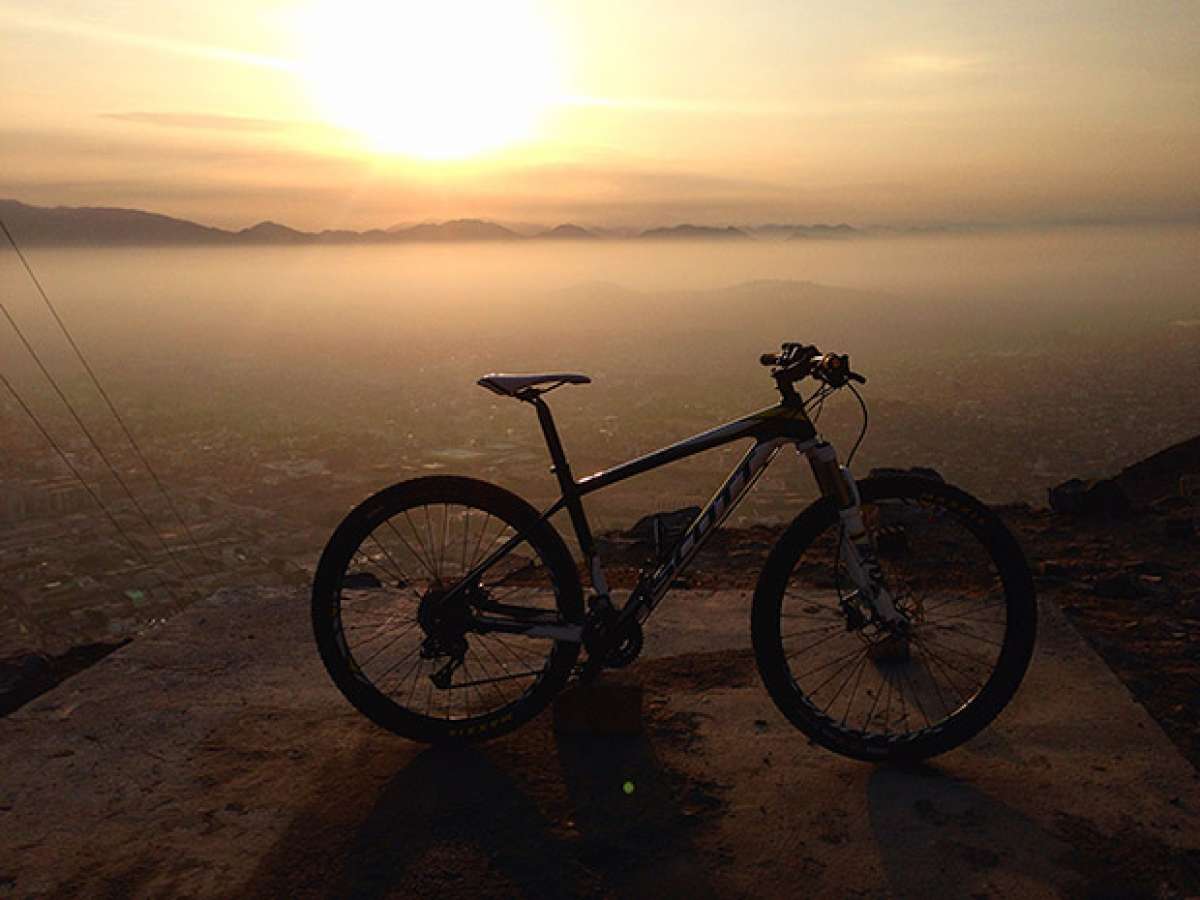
(723, 502)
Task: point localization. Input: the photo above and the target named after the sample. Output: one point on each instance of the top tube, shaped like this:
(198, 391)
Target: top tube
(777, 421)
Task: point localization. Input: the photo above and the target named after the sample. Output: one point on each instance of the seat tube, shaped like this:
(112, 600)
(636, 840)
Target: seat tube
(566, 481)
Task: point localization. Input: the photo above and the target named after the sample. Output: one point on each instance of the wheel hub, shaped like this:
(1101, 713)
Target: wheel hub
(444, 622)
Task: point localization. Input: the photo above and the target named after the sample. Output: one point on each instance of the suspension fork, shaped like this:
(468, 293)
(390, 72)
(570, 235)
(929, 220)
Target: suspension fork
(855, 548)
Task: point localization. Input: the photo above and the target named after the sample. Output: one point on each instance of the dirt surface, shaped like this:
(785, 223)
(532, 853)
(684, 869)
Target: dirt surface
(240, 771)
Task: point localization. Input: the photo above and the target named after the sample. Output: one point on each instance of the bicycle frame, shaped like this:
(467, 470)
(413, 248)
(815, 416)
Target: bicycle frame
(770, 428)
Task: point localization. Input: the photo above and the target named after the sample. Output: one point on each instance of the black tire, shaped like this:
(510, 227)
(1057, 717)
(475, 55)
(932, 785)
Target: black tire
(930, 537)
(378, 572)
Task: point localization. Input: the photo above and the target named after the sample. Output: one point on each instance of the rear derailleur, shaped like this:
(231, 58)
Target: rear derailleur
(434, 647)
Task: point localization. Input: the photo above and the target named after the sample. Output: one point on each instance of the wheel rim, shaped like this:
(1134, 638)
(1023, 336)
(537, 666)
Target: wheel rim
(869, 684)
(396, 632)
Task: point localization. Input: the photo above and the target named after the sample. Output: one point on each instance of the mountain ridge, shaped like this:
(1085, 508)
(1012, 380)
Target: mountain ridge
(116, 226)
(100, 226)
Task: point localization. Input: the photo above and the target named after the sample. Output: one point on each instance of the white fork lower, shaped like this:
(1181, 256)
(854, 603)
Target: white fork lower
(858, 556)
(855, 550)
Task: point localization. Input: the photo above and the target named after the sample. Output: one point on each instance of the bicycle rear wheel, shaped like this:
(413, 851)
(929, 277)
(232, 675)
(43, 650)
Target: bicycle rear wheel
(960, 579)
(410, 661)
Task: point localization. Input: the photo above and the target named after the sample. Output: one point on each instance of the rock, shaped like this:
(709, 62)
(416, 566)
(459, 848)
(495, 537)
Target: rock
(611, 705)
(1180, 528)
(891, 540)
(1151, 567)
(1169, 471)
(1121, 587)
(1052, 568)
(1189, 487)
(662, 529)
(911, 472)
(27, 674)
(22, 677)
(1099, 497)
(1168, 505)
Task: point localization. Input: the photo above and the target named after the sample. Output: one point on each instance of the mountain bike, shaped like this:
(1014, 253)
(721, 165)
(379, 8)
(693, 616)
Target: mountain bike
(893, 619)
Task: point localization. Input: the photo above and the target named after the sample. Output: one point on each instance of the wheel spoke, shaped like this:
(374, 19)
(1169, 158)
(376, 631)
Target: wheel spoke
(417, 556)
(833, 662)
(816, 643)
(852, 666)
(375, 655)
(466, 535)
(862, 666)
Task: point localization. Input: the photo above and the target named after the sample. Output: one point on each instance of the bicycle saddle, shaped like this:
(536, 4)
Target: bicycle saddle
(511, 385)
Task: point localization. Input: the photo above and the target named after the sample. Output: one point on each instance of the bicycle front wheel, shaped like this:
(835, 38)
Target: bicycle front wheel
(955, 573)
(415, 663)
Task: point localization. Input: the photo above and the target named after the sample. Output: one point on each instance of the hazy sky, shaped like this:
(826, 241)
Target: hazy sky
(321, 113)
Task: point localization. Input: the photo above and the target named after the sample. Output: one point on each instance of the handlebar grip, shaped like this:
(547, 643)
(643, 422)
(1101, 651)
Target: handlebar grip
(854, 376)
(769, 359)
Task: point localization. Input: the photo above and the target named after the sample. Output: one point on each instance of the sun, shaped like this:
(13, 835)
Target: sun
(440, 79)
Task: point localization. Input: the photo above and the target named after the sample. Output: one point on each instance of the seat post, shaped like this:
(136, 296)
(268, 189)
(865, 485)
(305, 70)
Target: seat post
(562, 471)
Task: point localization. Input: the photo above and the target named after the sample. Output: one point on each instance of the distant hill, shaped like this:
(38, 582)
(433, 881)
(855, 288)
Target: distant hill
(695, 232)
(273, 233)
(456, 230)
(804, 232)
(782, 232)
(103, 226)
(98, 225)
(108, 226)
(566, 232)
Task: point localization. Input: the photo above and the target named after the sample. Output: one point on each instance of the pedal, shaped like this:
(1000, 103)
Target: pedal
(597, 628)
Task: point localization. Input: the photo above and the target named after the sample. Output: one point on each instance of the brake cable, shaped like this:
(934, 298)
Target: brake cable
(866, 421)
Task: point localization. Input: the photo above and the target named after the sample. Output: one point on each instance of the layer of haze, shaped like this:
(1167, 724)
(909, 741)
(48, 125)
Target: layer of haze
(1009, 362)
(621, 114)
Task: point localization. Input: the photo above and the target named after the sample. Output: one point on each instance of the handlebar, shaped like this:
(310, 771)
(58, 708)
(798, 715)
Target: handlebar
(799, 361)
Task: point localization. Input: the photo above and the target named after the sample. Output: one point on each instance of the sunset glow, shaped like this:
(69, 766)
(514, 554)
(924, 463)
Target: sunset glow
(435, 81)
(359, 112)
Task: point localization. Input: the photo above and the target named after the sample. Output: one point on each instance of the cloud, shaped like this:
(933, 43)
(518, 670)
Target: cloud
(932, 63)
(207, 122)
(82, 29)
(706, 107)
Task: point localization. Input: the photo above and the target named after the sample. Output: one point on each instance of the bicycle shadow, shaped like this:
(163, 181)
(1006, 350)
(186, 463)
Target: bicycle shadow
(534, 815)
(940, 835)
(454, 821)
(636, 816)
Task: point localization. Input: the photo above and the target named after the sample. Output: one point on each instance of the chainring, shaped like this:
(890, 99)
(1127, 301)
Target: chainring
(628, 649)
